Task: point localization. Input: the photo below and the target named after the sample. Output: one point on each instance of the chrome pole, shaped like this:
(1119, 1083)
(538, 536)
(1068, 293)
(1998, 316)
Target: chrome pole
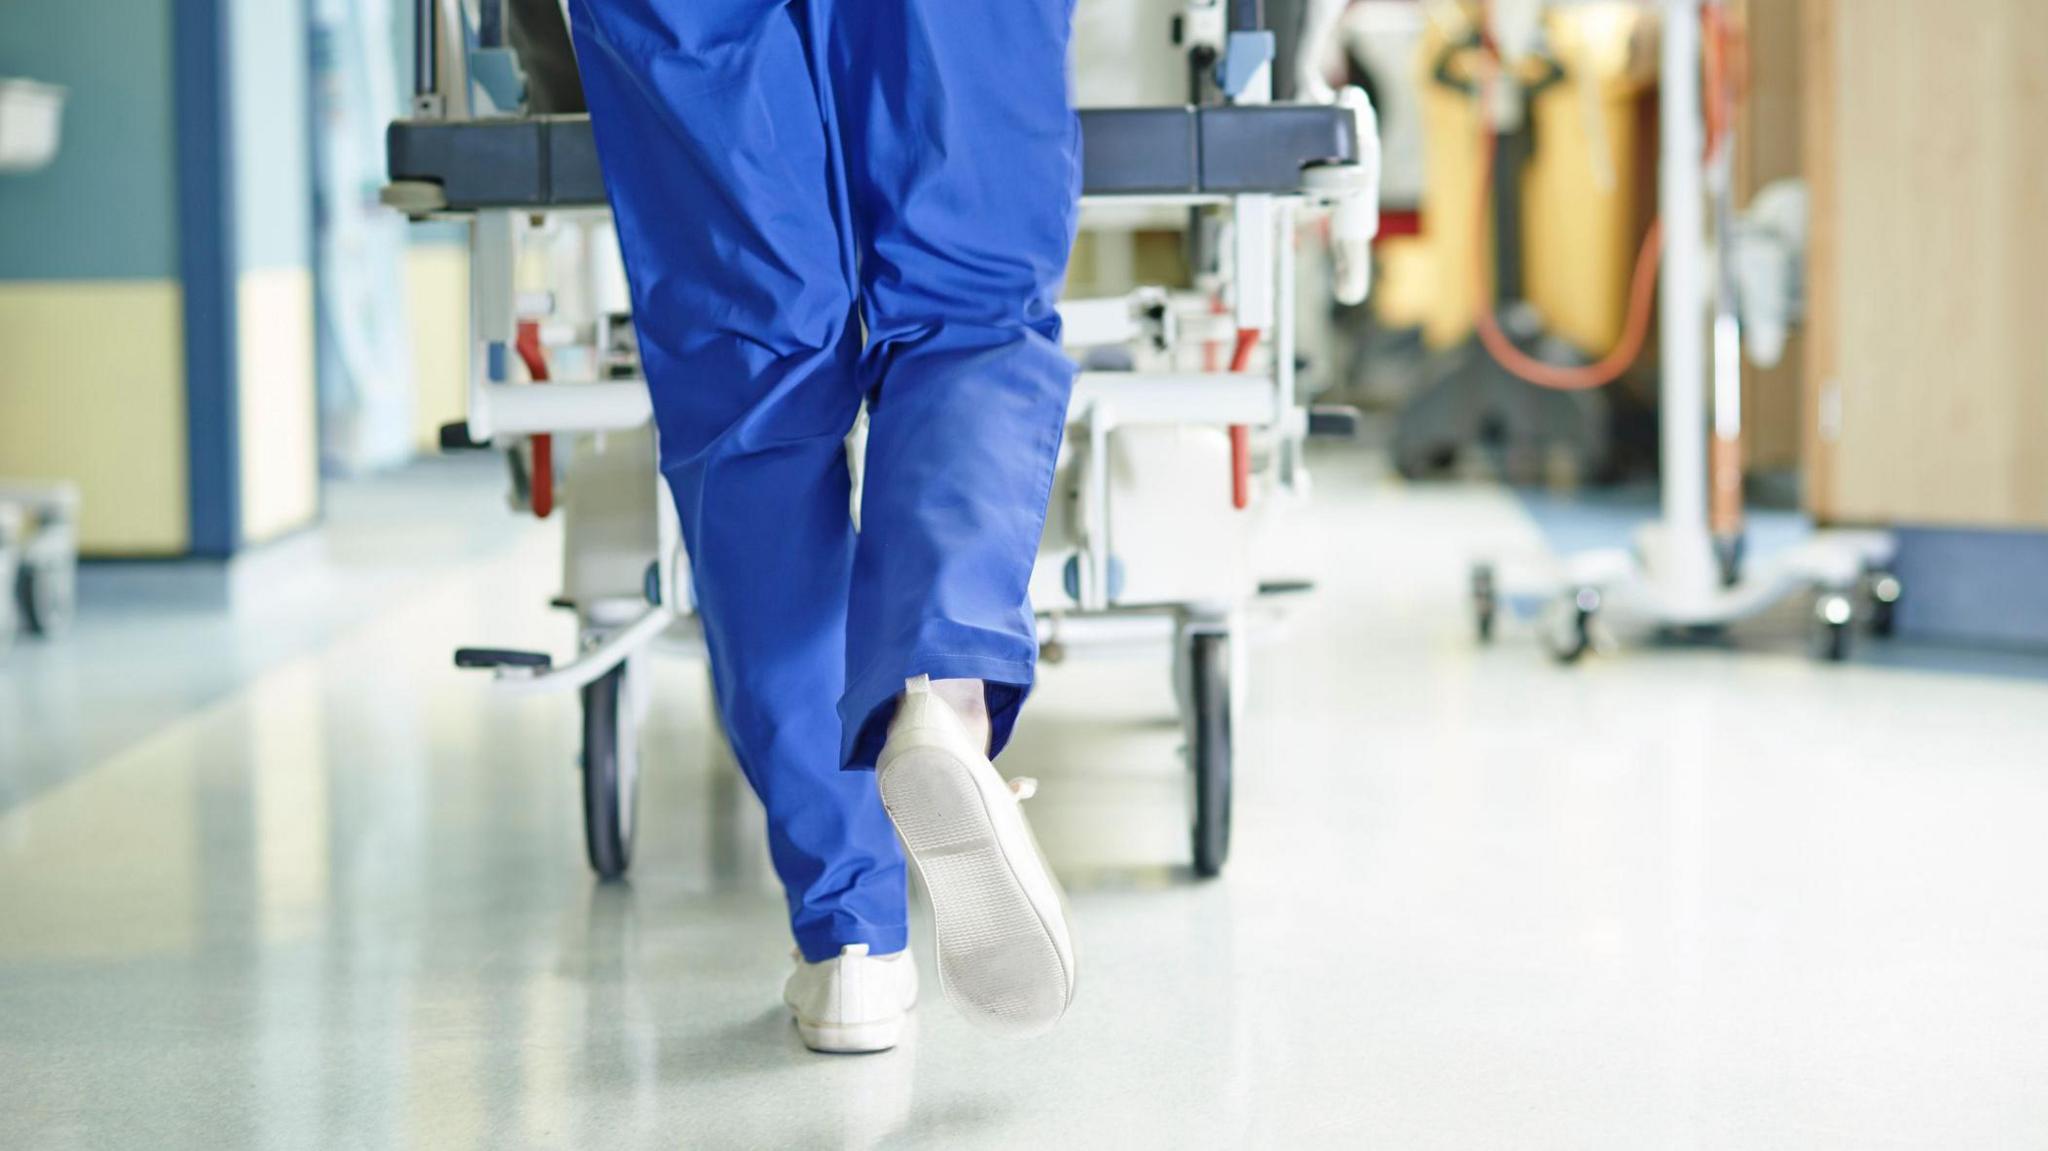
(426, 58)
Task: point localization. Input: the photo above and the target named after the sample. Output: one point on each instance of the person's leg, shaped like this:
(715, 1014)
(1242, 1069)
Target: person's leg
(722, 171)
(964, 158)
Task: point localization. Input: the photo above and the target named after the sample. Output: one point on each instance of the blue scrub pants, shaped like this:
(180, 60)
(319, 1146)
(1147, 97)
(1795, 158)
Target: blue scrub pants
(820, 202)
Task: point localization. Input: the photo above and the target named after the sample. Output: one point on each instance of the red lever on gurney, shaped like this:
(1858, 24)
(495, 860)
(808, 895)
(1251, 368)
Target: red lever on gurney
(543, 478)
(1240, 435)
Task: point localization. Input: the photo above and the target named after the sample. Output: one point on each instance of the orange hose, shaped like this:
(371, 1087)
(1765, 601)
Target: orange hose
(1635, 330)
(1713, 76)
(1724, 72)
(1240, 435)
(1724, 75)
(1642, 287)
(1724, 78)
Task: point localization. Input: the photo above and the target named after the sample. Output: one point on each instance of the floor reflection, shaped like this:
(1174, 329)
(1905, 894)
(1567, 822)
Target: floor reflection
(1664, 899)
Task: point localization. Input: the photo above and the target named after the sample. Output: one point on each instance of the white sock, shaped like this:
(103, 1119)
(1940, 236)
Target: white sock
(969, 701)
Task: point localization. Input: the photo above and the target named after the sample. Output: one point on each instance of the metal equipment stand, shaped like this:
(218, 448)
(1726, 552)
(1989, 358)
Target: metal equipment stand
(1672, 580)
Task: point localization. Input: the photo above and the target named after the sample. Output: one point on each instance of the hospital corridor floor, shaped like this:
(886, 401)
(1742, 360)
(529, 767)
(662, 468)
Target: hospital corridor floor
(335, 895)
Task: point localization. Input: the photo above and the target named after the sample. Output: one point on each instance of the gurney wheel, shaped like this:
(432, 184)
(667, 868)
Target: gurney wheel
(1210, 750)
(1485, 602)
(1885, 591)
(611, 773)
(1833, 613)
(1568, 630)
(47, 592)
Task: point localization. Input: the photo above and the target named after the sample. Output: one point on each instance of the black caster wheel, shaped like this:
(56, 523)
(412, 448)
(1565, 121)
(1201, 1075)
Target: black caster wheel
(1693, 635)
(1209, 750)
(1485, 602)
(1568, 633)
(611, 773)
(1885, 592)
(1833, 614)
(48, 593)
(1728, 556)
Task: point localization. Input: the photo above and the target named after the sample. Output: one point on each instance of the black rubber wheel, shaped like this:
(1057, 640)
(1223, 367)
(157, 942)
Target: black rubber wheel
(611, 774)
(1833, 616)
(1210, 754)
(1578, 644)
(1729, 552)
(1885, 591)
(47, 594)
(1831, 643)
(1485, 603)
(1569, 634)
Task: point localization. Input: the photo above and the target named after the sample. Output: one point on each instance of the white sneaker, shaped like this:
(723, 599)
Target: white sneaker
(1006, 956)
(853, 1002)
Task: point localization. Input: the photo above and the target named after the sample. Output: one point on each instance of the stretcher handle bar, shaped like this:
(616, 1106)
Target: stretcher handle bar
(1154, 199)
(1219, 398)
(565, 407)
(426, 48)
(440, 209)
(1095, 323)
(591, 665)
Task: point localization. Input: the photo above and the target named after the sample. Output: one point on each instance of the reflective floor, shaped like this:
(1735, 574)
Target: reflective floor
(1669, 898)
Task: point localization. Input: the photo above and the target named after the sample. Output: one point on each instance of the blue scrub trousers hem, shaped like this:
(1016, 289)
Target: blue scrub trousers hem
(870, 703)
(825, 940)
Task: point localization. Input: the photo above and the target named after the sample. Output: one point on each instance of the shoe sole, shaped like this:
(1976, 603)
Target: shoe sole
(1005, 958)
(850, 1039)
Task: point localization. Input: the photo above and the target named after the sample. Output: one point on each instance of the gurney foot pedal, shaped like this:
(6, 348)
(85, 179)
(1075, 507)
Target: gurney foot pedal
(496, 657)
(1333, 422)
(455, 437)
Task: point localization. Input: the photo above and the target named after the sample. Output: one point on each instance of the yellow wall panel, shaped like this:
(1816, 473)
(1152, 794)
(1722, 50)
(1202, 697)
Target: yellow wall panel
(437, 291)
(92, 389)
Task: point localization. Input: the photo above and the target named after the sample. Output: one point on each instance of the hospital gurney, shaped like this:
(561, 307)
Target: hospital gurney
(1117, 546)
(38, 558)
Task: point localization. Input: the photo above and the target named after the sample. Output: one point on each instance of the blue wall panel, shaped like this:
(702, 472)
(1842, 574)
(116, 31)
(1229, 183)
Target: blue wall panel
(208, 266)
(105, 209)
(1978, 587)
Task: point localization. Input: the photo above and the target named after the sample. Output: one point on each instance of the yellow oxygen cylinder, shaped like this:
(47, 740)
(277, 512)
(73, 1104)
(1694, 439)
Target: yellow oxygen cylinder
(1583, 199)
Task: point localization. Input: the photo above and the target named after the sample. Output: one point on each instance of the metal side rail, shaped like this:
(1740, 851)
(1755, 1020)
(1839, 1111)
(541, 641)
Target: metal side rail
(1219, 398)
(550, 162)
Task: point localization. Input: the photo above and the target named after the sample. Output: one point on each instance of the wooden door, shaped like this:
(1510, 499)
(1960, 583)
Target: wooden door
(1927, 342)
